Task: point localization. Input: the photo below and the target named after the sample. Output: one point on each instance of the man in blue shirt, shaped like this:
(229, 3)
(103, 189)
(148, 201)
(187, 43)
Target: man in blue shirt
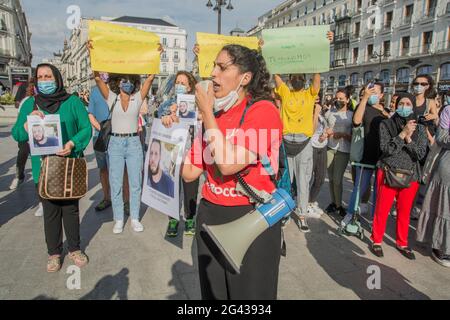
(157, 178)
(98, 112)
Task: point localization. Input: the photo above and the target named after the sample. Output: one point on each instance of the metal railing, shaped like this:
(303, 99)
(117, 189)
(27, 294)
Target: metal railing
(338, 63)
(407, 20)
(342, 37)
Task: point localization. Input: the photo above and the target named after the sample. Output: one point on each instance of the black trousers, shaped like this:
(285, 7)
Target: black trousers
(319, 172)
(190, 198)
(56, 215)
(22, 157)
(258, 279)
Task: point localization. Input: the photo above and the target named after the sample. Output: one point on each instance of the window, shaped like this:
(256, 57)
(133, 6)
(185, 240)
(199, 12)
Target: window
(342, 80)
(314, 21)
(175, 56)
(427, 69)
(368, 76)
(427, 39)
(445, 71)
(355, 54)
(403, 75)
(357, 28)
(298, 14)
(164, 68)
(175, 68)
(164, 55)
(331, 83)
(405, 46)
(324, 3)
(354, 78)
(385, 76)
(387, 48)
(334, 13)
(431, 8)
(164, 41)
(369, 51)
(175, 43)
(358, 4)
(388, 21)
(3, 23)
(408, 13)
(315, 6)
(306, 10)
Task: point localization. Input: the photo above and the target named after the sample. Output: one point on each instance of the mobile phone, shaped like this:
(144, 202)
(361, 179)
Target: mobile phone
(371, 85)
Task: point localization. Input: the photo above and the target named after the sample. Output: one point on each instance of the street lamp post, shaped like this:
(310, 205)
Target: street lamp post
(379, 56)
(218, 8)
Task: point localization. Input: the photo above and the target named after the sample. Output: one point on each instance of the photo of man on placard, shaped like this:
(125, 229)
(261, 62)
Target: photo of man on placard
(186, 111)
(158, 178)
(40, 137)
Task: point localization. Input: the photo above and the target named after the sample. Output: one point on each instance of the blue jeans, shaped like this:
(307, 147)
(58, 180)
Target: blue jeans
(127, 150)
(363, 185)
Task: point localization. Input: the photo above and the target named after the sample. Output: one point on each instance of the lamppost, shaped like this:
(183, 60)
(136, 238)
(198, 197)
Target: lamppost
(379, 56)
(218, 8)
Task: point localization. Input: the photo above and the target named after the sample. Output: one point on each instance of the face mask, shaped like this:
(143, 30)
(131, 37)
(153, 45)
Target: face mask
(229, 100)
(104, 76)
(404, 111)
(127, 87)
(373, 100)
(180, 89)
(419, 89)
(339, 104)
(47, 87)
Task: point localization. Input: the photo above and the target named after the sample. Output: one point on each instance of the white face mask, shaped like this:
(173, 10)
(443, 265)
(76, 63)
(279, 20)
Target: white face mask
(229, 100)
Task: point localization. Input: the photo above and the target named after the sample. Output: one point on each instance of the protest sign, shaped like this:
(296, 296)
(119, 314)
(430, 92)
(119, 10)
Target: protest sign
(121, 49)
(186, 108)
(161, 190)
(211, 44)
(297, 49)
(44, 135)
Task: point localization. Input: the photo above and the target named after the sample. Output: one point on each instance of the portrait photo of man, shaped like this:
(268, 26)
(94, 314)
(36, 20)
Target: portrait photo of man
(40, 138)
(185, 113)
(158, 179)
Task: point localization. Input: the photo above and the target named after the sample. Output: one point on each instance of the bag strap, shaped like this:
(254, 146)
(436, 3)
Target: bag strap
(112, 108)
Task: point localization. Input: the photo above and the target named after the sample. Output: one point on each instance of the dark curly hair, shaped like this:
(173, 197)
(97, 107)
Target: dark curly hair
(191, 79)
(248, 60)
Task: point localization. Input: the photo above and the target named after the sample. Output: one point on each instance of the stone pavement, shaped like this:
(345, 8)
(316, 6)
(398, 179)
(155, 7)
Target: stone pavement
(319, 265)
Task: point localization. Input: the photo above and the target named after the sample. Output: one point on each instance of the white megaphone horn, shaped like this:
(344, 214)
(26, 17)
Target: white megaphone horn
(234, 238)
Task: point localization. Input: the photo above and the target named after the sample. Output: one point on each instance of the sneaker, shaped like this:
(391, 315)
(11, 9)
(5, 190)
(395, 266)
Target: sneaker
(316, 207)
(348, 217)
(126, 208)
(342, 212)
(443, 260)
(136, 225)
(331, 209)
(189, 227)
(303, 224)
(118, 227)
(104, 204)
(172, 228)
(15, 183)
(312, 213)
(40, 211)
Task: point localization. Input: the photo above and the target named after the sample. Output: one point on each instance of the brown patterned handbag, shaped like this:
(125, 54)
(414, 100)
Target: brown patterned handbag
(63, 178)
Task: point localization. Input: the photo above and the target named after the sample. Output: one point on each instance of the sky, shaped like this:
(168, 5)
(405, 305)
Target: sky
(47, 18)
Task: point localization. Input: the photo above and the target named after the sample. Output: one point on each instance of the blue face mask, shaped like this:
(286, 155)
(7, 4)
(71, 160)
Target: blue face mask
(47, 87)
(127, 87)
(373, 100)
(180, 89)
(404, 111)
(419, 89)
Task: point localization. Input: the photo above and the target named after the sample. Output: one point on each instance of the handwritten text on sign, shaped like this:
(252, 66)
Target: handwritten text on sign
(297, 50)
(211, 44)
(120, 49)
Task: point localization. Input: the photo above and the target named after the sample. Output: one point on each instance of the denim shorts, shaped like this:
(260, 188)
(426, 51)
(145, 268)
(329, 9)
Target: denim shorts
(101, 157)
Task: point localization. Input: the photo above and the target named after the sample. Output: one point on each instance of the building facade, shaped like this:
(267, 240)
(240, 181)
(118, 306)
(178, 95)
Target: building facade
(390, 40)
(75, 59)
(15, 37)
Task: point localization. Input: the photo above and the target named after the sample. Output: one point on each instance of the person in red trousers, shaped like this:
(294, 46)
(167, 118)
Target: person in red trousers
(403, 144)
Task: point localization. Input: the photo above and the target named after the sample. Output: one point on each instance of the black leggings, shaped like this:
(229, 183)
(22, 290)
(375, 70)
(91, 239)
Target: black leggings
(319, 172)
(190, 198)
(57, 214)
(258, 279)
(22, 156)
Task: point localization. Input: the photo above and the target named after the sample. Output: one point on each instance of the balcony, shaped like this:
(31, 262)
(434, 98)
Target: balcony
(338, 63)
(426, 49)
(406, 21)
(431, 13)
(164, 59)
(369, 33)
(443, 46)
(342, 37)
(176, 59)
(388, 2)
(405, 52)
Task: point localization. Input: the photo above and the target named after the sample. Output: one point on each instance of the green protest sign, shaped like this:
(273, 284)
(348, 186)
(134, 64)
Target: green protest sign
(297, 50)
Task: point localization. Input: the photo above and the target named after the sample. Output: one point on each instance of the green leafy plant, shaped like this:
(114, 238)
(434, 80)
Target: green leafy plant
(7, 99)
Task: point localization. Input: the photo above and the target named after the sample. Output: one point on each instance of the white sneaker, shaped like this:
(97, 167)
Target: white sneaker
(312, 213)
(137, 226)
(118, 227)
(15, 183)
(316, 207)
(40, 211)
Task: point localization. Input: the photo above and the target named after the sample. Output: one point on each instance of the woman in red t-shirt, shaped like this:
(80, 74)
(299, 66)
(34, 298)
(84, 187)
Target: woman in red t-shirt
(240, 85)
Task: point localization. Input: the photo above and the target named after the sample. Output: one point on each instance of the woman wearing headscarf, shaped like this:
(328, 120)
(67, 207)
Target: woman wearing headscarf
(434, 219)
(52, 99)
(403, 144)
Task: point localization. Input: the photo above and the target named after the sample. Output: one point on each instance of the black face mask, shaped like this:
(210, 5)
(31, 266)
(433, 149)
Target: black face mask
(339, 104)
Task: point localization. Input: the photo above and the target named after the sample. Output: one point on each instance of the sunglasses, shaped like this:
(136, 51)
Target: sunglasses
(424, 84)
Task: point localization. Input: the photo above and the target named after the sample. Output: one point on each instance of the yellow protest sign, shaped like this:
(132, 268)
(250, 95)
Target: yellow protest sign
(211, 44)
(121, 49)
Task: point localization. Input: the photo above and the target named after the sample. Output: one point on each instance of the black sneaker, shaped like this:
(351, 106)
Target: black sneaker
(172, 228)
(406, 252)
(443, 260)
(331, 208)
(303, 225)
(342, 212)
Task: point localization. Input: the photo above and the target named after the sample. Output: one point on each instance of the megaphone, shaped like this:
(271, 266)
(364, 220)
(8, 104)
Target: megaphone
(234, 238)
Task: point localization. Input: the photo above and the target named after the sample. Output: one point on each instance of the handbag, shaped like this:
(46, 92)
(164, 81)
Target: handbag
(101, 144)
(357, 145)
(397, 178)
(63, 178)
(294, 148)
